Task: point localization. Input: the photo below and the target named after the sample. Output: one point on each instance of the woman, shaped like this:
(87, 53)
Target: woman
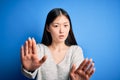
(57, 57)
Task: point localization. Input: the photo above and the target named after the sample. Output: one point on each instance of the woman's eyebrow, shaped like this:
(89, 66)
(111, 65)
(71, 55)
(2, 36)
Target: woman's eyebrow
(60, 23)
(66, 22)
(55, 23)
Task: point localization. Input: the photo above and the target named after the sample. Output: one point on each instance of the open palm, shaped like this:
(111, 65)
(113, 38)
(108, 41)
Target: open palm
(84, 71)
(29, 56)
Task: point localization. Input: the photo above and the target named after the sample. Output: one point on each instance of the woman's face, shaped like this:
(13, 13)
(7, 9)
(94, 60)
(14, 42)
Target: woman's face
(59, 29)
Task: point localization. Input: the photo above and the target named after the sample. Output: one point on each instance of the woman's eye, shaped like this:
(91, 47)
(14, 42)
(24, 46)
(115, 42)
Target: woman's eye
(65, 25)
(55, 25)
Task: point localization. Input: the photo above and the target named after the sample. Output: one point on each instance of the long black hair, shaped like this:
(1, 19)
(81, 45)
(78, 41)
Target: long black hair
(52, 15)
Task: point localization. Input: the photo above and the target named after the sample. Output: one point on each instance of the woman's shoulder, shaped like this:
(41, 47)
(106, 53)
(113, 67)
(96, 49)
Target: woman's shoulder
(41, 46)
(76, 47)
(77, 51)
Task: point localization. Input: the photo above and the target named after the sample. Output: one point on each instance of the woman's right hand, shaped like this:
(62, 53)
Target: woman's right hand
(29, 56)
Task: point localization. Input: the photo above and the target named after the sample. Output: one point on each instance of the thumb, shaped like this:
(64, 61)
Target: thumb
(43, 59)
(73, 68)
(72, 72)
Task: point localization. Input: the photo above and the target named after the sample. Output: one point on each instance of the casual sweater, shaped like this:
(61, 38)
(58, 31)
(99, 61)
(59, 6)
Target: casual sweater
(49, 70)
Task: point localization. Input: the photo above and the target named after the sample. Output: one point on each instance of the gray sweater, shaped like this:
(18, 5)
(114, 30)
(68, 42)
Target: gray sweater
(52, 71)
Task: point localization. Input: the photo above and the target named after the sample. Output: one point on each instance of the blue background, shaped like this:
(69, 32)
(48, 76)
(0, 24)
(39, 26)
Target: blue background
(96, 25)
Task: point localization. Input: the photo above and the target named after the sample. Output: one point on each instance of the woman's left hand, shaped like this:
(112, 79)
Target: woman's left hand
(84, 71)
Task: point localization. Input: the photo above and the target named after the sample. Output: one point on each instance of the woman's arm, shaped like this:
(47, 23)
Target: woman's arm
(28, 74)
(82, 69)
(29, 58)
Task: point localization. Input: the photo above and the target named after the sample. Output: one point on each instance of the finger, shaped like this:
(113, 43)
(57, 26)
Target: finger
(22, 52)
(72, 72)
(26, 48)
(82, 64)
(72, 76)
(91, 73)
(82, 74)
(34, 46)
(73, 68)
(87, 65)
(90, 69)
(29, 45)
(43, 60)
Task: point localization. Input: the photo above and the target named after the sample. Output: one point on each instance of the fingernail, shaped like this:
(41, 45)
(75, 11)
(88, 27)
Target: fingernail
(74, 65)
(29, 38)
(33, 38)
(91, 59)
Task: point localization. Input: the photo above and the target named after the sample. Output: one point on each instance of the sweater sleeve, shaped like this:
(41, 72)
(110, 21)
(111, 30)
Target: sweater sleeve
(28, 74)
(77, 56)
(32, 75)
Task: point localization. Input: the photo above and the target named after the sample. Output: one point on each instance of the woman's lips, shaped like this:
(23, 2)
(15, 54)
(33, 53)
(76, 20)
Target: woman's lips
(61, 36)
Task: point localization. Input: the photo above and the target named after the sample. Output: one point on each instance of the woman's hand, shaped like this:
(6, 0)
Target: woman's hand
(84, 71)
(29, 56)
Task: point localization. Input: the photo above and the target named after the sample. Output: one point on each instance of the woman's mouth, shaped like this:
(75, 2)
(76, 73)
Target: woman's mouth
(61, 36)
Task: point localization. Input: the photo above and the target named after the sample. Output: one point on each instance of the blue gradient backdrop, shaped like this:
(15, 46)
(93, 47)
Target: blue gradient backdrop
(96, 24)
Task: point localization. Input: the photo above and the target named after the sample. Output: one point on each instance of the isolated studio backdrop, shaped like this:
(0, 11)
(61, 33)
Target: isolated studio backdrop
(96, 25)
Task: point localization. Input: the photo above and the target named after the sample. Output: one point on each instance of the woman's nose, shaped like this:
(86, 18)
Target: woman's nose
(61, 29)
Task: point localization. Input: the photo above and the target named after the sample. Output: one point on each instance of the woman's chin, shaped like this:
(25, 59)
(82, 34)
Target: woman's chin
(61, 40)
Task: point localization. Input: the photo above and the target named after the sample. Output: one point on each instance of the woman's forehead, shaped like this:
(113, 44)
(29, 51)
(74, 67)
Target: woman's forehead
(61, 19)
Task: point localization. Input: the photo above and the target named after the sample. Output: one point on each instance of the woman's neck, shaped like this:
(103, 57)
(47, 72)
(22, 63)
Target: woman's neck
(58, 46)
